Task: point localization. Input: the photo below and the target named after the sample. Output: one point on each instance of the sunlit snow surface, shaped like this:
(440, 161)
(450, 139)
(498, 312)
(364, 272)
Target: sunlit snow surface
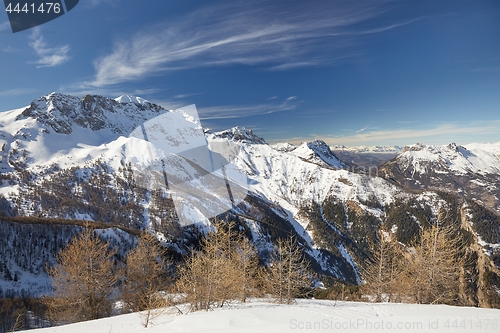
(203, 178)
(304, 316)
(130, 99)
(477, 158)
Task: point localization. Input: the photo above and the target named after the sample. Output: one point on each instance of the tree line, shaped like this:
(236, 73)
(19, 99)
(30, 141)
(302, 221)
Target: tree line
(88, 281)
(438, 267)
(411, 254)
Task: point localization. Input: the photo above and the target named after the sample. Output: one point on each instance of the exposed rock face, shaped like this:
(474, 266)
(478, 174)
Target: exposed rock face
(61, 112)
(240, 134)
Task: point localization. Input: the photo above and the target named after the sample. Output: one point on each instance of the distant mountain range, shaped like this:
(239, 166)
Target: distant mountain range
(76, 158)
(472, 170)
(368, 149)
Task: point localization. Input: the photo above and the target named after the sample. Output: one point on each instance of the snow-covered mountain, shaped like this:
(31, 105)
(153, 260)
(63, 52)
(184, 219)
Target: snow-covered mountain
(132, 164)
(238, 134)
(471, 170)
(367, 149)
(66, 130)
(316, 152)
(64, 113)
(480, 159)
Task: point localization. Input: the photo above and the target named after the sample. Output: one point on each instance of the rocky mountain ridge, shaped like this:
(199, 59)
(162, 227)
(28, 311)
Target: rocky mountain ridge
(70, 158)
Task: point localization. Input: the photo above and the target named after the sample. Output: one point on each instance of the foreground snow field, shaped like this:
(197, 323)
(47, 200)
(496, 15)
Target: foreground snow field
(304, 316)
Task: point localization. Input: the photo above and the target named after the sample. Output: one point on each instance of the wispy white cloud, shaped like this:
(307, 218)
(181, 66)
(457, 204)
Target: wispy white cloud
(441, 134)
(49, 56)
(241, 111)
(170, 104)
(144, 92)
(291, 65)
(486, 69)
(181, 96)
(280, 37)
(10, 49)
(389, 27)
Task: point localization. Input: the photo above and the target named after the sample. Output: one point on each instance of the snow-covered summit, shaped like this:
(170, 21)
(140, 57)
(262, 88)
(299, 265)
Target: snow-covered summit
(240, 134)
(471, 170)
(131, 99)
(473, 158)
(63, 113)
(318, 152)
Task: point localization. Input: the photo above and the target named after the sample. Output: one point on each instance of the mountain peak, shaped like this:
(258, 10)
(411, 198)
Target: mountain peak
(318, 152)
(131, 99)
(319, 145)
(457, 159)
(453, 146)
(450, 148)
(415, 147)
(240, 134)
(63, 112)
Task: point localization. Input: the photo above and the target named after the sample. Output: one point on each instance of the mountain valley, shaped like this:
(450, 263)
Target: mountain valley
(68, 159)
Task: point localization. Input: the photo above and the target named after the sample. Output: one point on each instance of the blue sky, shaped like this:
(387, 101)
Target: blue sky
(347, 72)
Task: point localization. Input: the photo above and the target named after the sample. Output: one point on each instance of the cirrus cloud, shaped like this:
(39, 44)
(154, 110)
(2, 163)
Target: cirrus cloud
(277, 37)
(49, 56)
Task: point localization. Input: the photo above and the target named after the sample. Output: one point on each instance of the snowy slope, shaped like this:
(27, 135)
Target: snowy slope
(304, 316)
(54, 125)
(471, 170)
(318, 152)
(474, 158)
(284, 147)
(289, 182)
(289, 179)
